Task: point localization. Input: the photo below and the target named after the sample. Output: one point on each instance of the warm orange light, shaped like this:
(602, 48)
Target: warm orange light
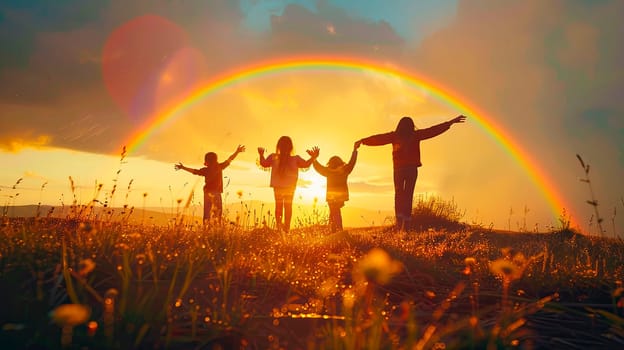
(92, 328)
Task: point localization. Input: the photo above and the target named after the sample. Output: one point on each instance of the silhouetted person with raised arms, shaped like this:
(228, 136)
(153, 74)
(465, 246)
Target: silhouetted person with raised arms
(337, 192)
(284, 174)
(213, 185)
(405, 142)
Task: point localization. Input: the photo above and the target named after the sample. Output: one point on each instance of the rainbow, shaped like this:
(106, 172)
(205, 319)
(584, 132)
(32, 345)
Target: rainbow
(538, 176)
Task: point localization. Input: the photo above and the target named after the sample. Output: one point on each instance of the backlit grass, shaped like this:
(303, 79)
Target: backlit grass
(247, 286)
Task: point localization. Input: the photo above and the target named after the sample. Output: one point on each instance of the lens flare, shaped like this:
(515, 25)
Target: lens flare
(148, 64)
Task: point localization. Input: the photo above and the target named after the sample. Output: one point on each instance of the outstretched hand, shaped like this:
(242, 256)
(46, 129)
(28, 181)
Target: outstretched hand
(240, 148)
(314, 152)
(178, 166)
(357, 145)
(261, 151)
(459, 119)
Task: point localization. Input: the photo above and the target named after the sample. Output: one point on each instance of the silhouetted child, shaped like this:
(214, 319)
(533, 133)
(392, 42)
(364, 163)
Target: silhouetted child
(337, 193)
(284, 174)
(213, 186)
(405, 142)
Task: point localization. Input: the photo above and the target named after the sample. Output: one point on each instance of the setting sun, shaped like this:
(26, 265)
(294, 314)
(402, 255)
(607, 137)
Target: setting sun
(312, 186)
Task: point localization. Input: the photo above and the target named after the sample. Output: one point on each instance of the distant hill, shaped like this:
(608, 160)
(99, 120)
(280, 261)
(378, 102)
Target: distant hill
(248, 210)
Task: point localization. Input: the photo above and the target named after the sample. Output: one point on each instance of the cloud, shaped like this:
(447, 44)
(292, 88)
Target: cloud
(55, 79)
(331, 29)
(51, 75)
(368, 187)
(16, 144)
(546, 71)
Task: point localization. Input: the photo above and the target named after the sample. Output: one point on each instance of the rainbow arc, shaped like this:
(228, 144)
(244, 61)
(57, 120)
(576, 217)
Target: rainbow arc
(445, 95)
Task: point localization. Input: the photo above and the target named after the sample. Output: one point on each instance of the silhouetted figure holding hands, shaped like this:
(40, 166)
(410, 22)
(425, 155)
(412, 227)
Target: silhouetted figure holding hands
(405, 142)
(213, 186)
(337, 193)
(284, 174)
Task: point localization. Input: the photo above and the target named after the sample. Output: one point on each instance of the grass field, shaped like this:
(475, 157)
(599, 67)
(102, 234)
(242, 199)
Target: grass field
(82, 283)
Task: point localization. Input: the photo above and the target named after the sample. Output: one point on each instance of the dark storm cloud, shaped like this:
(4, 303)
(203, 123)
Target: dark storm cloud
(550, 73)
(541, 67)
(332, 31)
(22, 20)
(52, 90)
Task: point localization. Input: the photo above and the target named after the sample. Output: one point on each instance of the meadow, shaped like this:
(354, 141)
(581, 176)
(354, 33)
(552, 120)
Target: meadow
(86, 281)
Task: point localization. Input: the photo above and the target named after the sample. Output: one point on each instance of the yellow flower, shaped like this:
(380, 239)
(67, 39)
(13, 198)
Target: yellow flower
(348, 298)
(470, 261)
(328, 287)
(506, 269)
(377, 266)
(86, 266)
(70, 314)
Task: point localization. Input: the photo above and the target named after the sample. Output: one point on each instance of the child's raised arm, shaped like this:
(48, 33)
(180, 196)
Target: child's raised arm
(351, 164)
(239, 149)
(313, 153)
(322, 170)
(264, 162)
(181, 166)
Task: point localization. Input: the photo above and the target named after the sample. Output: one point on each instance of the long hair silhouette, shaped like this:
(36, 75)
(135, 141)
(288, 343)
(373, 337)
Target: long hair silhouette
(283, 150)
(404, 128)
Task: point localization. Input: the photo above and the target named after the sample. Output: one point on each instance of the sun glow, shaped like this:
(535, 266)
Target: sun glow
(312, 186)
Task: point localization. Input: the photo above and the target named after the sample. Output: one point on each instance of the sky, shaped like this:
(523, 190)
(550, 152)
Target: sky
(543, 79)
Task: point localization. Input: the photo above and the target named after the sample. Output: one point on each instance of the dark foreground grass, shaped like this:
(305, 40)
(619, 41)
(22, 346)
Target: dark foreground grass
(228, 288)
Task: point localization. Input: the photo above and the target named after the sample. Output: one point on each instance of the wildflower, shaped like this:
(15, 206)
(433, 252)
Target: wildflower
(112, 293)
(70, 314)
(140, 259)
(470, 262)
(239, 193)
(122, 246)
(377, 266)
(519, 259)
(67, 316)
(109, 310)
(92, 328)
(348, 298)
(506, 269)
(328, 287)
(86, 266)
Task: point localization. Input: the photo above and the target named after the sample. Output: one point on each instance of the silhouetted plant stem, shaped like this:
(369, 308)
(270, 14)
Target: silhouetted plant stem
(593, 202)
(613, 221)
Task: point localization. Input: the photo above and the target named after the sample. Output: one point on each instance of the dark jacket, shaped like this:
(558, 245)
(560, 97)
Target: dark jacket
(213, 176)
(406, 151)
(337, 189)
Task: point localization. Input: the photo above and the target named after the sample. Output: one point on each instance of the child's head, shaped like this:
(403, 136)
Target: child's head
(210, 158)
(284, 145)
(405, 126)
(335, 162)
